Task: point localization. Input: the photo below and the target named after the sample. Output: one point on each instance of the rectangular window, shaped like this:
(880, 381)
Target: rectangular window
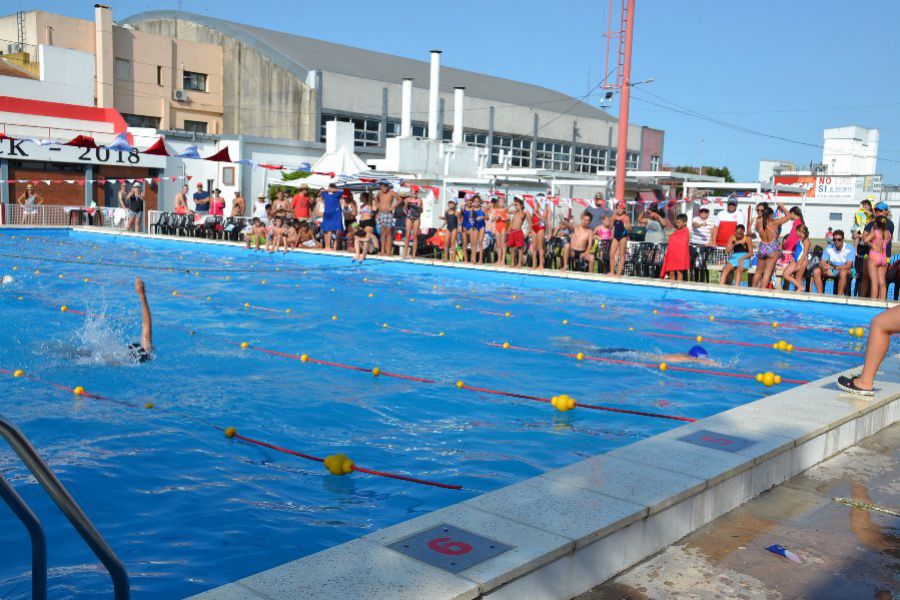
(419, 130)
(227, 175)
(366, 132)
(195, 126)
(654, 163)
(633, 161)
(611, 165)
(122, 69)
(589, 159)
(194, 81)
(552, 155)
(836, 217)
(141, 121)
(476, 139)
(158, 75)
(514, 152)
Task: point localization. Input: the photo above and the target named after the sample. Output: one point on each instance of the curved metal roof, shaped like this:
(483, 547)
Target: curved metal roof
(299, 55)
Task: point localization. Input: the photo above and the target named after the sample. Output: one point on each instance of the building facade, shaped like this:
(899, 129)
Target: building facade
(283, 85)
(153, 80)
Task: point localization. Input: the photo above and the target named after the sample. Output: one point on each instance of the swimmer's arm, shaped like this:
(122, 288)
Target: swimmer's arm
(146, 320)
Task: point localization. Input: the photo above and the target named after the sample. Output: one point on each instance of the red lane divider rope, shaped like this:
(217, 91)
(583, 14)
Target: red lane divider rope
(826, 328)
(751, 344)
(233, 433)
(581, 404)
(635, 363)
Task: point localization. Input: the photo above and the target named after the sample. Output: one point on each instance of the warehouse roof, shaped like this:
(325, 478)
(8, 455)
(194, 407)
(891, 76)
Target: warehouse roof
(299, 55)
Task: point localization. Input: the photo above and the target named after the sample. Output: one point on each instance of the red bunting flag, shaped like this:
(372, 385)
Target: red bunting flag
(82, 141)
(220, 156)
(158, 148)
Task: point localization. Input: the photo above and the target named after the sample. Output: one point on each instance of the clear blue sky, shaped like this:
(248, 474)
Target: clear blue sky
(785, 68)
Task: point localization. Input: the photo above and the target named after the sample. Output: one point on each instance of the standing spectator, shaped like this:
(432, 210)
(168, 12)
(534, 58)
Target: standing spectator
(217, 204)
(836, 262)
(598, 211)
(863, 248)
(619, 246)
(655, 223)
(261, 209)
(413, 213)
(135, 208)
(332, 215)
(701, 244)
(796, 218)
(385, 203)
(878, 238)
(725, 223)
(499, 219)
(29, 201)
(237, 206)
(181, 205)
(540, 218)
(828, 235)
(300, 203)
(678, 252)
(451, 221)
(579, 245)
(863, 215)
(516, 239)
(795, 271)
(201, 199)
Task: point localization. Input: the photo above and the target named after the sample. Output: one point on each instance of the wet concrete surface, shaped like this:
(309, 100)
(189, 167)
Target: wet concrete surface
(847, 553)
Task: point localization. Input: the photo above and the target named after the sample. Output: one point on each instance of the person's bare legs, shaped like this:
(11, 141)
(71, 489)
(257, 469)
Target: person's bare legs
(146, 321)
(880, 331)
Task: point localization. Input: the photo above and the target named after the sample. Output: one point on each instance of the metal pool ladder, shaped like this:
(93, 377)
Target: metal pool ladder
(58, 493)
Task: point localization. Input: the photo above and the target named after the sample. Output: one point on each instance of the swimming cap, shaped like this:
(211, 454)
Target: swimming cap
(697, 352)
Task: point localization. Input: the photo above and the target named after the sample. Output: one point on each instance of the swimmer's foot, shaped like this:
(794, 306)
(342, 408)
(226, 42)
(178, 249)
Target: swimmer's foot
(848, 384)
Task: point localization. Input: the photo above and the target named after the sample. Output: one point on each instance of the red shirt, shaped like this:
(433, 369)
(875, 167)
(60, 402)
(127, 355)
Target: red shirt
(301, 206)
(217, 207)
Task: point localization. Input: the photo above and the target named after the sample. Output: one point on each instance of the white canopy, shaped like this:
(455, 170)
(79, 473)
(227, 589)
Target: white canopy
(342, 162)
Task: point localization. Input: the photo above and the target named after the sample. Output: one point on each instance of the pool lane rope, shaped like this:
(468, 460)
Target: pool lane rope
(337, 464)
(634, 363)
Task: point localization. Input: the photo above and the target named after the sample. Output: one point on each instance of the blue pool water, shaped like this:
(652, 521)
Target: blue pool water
(188, 509)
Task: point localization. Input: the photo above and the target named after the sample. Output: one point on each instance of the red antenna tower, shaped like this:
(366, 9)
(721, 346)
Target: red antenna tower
(622, 35)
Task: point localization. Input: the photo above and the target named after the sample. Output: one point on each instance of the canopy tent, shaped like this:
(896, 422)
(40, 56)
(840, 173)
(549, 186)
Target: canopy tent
(334, 166)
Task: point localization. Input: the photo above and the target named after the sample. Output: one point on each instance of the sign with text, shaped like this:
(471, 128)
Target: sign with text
(450, 548)
(13, 149)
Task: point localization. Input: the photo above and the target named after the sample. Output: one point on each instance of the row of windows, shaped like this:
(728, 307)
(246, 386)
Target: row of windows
(122, 71)
(515, 151)
(153, 123)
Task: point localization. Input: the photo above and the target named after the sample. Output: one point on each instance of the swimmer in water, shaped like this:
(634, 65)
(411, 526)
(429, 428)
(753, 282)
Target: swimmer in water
(142, 351)
(697, 355)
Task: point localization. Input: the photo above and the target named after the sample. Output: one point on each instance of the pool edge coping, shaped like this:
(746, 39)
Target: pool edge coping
(595, 277)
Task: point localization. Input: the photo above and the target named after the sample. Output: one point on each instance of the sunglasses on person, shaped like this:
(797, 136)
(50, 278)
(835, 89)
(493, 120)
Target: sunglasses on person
(838, 239)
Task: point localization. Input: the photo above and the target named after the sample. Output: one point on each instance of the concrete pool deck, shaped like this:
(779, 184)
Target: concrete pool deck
(573, 528)
(847, 551)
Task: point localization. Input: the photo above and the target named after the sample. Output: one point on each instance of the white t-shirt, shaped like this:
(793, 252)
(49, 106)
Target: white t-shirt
(725, 232)
(700, 231)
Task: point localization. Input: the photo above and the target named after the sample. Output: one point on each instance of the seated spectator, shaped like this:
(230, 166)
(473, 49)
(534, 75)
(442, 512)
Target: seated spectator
(257, 235)
(740, 246)
(836, 263)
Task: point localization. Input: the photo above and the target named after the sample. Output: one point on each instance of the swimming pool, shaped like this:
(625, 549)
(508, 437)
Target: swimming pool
(188, 509)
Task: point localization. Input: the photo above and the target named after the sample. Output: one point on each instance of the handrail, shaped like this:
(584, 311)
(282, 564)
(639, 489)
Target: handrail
(35, 532)
(60, 495)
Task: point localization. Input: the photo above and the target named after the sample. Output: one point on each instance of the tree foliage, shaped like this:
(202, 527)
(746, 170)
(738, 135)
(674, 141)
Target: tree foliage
(712, 171)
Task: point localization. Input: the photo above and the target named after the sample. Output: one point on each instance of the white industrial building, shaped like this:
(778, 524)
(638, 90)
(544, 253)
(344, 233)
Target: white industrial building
(835, 187)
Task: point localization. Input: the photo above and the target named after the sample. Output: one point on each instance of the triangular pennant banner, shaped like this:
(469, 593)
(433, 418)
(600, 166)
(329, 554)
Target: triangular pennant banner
(158, 148)
(220, 156)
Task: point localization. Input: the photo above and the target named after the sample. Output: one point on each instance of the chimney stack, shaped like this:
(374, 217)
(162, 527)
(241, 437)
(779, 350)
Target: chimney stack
(103, 55)
(434, 94)
(459, 100)
(406, 108)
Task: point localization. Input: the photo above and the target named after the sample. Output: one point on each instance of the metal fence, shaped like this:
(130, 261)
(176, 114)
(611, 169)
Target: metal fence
(63, 216)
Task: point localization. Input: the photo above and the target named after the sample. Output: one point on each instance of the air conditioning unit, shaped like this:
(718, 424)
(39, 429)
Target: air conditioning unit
(180, 95)
(13, 48)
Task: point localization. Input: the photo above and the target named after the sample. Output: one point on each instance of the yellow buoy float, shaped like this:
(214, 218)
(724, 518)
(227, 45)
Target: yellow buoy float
(563, 402)
(338, 464)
